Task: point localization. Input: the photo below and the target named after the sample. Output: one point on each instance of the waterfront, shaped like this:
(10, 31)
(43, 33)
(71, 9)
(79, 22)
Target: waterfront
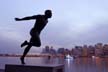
(94, 64)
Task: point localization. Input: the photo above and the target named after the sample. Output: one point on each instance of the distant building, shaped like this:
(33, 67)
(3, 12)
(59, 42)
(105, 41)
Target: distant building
(61, 51)
(105, 50)
(99, 49)
(46, 49)
(77, 51)
(91, 50)
(52, 51)
(67, 52)
(85, 50)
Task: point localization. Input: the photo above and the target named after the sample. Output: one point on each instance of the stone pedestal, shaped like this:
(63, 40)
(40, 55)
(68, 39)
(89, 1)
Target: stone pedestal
(36, 68)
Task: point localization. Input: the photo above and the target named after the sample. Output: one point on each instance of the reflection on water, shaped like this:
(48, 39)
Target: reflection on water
(71, 65)
(87, 65)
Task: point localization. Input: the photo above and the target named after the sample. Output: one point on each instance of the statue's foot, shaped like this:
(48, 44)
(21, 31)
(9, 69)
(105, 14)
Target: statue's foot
(22, 60)
(24, 43)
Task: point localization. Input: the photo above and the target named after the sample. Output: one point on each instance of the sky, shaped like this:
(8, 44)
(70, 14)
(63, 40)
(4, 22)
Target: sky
(74, 22)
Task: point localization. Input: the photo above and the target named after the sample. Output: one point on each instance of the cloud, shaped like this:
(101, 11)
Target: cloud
(74, 22)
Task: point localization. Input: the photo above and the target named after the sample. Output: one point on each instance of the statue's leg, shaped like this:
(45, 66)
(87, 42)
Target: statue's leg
(25, 53)
(24, 43)
(35, 40)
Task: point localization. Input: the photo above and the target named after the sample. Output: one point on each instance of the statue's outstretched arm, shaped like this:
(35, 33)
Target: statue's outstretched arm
(25, 18)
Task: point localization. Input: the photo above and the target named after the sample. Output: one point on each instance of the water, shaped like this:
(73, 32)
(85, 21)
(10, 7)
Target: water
(71, 65)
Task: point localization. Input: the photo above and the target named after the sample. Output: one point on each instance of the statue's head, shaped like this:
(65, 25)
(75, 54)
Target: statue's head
(48, 13)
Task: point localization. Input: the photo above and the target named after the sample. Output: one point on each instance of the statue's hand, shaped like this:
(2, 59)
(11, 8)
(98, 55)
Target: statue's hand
(17, 19)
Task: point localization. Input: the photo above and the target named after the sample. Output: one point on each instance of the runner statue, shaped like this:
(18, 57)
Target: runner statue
(41, 21)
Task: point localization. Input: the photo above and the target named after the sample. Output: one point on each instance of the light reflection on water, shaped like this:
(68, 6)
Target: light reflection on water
(71, 65)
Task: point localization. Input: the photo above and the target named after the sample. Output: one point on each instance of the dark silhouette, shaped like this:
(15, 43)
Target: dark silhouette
(41, 21)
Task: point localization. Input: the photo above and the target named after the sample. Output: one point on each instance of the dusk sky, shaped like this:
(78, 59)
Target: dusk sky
(74, 22)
